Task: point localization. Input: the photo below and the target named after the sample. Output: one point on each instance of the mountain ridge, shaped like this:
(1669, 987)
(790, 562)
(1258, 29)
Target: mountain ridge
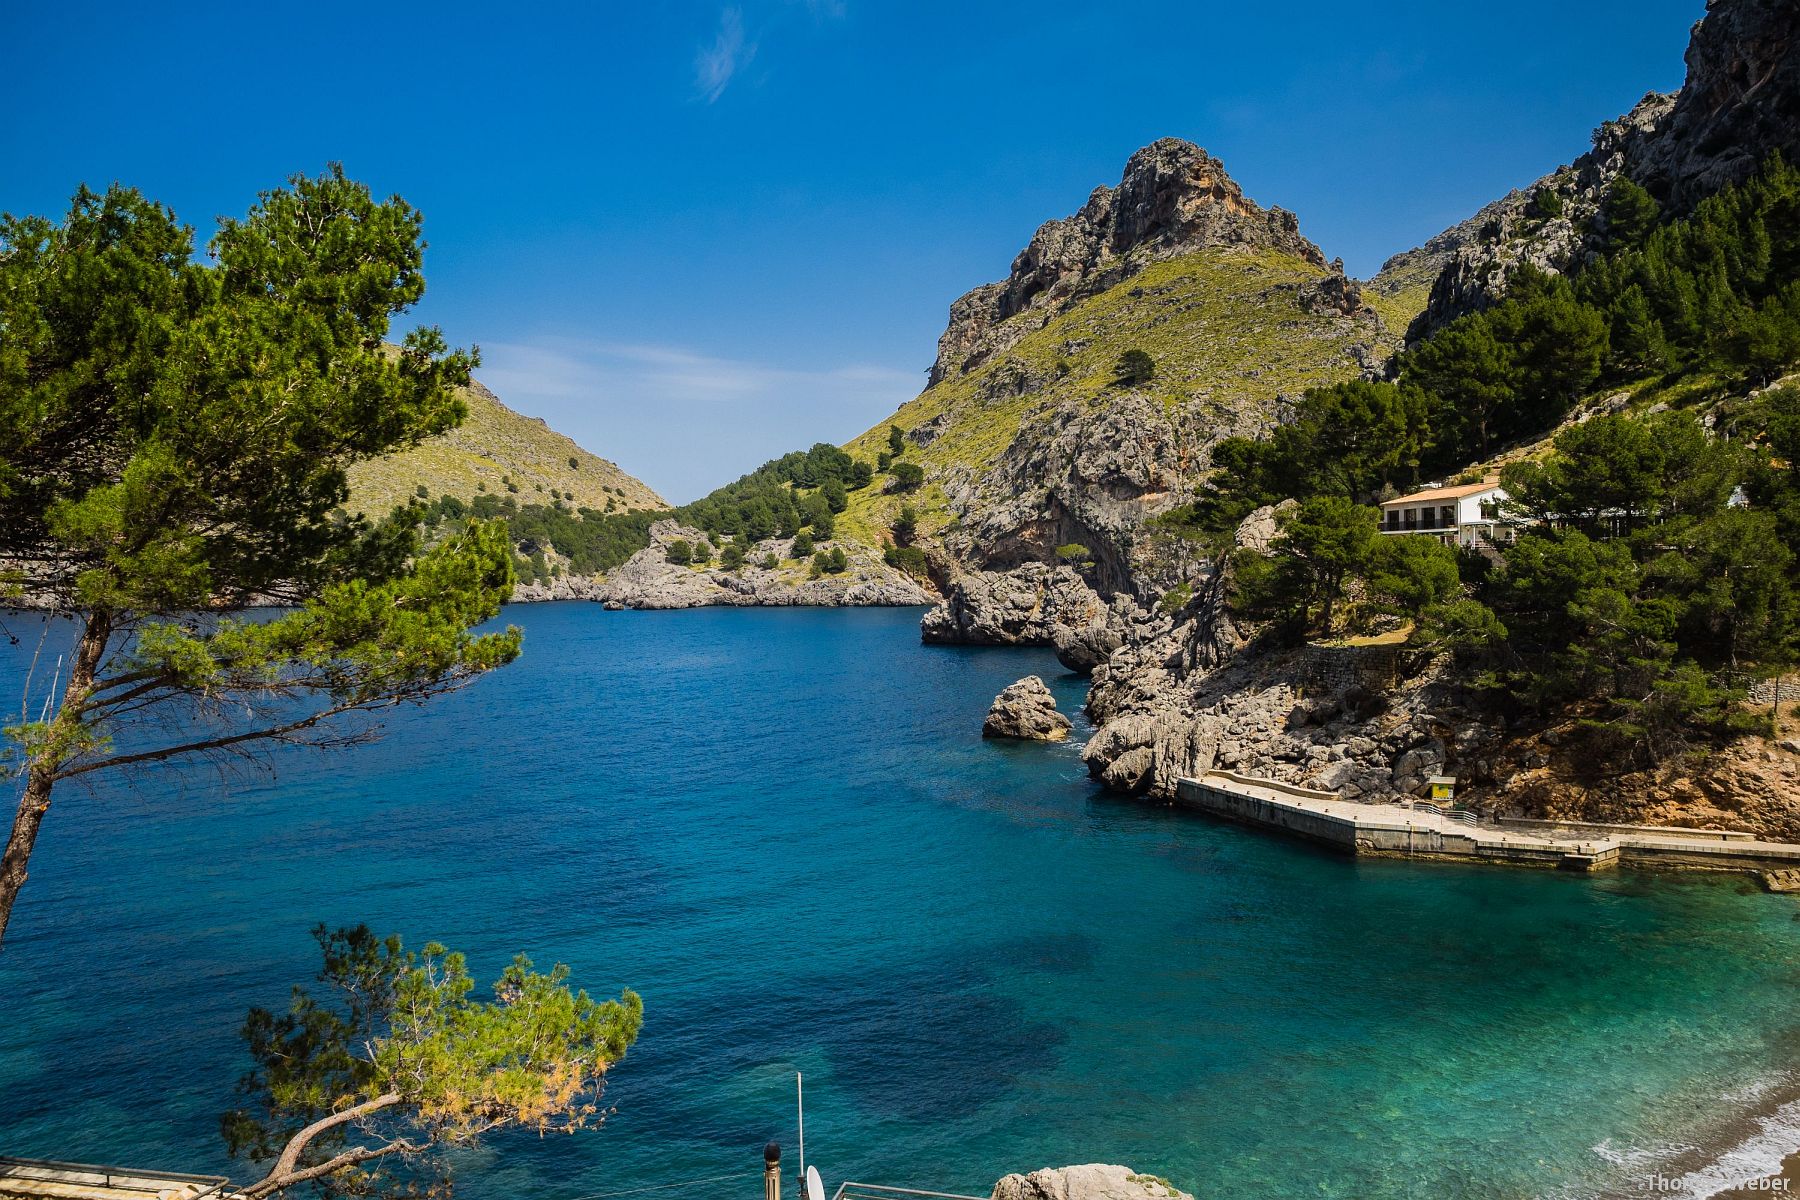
(500, 451)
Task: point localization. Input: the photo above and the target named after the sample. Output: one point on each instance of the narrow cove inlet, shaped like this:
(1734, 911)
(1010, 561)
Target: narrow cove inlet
(783, 828)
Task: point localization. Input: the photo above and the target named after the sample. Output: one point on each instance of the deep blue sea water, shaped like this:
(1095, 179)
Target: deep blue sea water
(783, 829)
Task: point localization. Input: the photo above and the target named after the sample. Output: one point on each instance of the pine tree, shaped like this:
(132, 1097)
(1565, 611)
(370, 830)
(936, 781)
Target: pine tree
(1638, 342)
(175, 434)
(1630, 213)
(906, 525)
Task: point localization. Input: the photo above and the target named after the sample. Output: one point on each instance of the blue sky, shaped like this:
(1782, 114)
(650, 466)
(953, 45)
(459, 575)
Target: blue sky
(694, 235)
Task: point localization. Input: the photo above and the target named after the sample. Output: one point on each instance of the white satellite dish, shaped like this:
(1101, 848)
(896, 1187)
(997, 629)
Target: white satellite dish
(815, 1187)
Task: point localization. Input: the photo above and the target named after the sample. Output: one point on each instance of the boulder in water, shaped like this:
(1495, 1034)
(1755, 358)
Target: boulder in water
(1026, 710)
(1094, 1181)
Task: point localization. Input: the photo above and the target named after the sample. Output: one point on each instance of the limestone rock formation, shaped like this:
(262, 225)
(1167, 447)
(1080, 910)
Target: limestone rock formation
(1093, 1181)
(1482, 255)
(1172, 199)
(1043, 468)
(1739, 103)
(1090, 476)
(1202, 694)
(1741, 100)
(1082, 648)
(1026, 710)
(1018, 608)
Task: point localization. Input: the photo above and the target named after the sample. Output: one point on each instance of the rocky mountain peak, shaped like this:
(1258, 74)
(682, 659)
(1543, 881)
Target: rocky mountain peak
(1173, 193)
(1173, 198)
(1741, 100)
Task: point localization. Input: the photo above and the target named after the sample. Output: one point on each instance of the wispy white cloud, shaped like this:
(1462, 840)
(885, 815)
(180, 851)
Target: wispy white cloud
(715, 64)
(682, 420)
(723, 59)
(572, 368)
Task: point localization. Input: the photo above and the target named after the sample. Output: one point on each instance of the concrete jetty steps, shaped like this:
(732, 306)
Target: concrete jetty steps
(1426, 831)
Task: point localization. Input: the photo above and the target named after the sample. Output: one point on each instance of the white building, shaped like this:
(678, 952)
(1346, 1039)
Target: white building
(1452, 514)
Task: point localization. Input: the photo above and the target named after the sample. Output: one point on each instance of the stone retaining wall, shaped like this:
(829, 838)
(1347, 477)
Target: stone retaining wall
(1377, 668)
(1766, 691)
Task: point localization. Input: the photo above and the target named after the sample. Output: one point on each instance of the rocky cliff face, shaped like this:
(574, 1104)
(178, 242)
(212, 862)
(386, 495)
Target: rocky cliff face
(1739, 103)
(1479, 257)
(1173, 199)
(1374, 722)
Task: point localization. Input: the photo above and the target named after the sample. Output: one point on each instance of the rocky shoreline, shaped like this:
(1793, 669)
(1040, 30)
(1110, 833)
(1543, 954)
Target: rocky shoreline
(649, 580)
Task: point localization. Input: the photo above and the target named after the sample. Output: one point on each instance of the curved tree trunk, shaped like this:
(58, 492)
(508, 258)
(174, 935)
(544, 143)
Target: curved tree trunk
(287, 1171)
(40, 774)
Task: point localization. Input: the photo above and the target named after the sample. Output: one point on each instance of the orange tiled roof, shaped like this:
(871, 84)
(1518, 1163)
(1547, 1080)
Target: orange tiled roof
(1443, 493)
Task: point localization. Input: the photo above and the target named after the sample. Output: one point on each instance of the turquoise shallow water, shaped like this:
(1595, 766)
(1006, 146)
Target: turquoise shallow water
(783, 829)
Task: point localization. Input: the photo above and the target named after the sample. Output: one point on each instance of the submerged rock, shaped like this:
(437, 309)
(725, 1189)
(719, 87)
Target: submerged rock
(1092, 1181)
(1782, 882)
(1026, 710)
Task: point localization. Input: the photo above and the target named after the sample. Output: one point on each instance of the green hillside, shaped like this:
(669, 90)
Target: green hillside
(500, 452)
(1227, 330)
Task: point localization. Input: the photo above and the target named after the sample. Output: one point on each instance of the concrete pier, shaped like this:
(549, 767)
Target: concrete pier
(1429, 832)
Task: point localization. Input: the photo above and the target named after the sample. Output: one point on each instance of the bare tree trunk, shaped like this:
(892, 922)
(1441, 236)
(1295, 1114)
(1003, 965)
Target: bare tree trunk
(287, 1171)
(40, 775)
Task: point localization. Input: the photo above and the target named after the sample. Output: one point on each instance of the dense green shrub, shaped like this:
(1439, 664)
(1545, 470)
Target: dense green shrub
(910, 559)
(1134, 367)
(906, 526)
